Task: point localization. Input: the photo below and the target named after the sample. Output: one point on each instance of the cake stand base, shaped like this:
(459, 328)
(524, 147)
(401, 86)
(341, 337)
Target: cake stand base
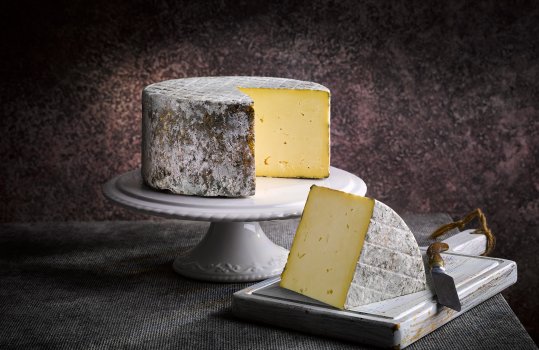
(233, 252)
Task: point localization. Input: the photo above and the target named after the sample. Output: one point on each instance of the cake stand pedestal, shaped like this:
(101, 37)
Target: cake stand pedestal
(235, 249)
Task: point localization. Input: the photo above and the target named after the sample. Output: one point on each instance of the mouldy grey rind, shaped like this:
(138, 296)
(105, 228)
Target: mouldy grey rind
(390, 264)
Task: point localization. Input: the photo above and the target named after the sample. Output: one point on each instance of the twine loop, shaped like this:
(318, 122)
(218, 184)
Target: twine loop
(460, 224)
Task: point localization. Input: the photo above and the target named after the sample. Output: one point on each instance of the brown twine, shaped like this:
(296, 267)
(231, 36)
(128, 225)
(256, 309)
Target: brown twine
(491, 240)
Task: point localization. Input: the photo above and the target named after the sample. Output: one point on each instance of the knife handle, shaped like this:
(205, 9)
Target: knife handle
(433, 252)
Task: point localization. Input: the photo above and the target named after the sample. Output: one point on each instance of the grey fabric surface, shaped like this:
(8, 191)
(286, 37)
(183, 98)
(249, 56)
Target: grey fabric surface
(111, 285)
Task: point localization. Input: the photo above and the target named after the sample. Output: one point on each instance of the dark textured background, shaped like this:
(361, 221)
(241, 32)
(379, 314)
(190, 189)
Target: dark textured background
(434, 105)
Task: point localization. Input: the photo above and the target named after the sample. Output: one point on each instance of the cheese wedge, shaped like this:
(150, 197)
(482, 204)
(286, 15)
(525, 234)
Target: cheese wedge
(351, 250)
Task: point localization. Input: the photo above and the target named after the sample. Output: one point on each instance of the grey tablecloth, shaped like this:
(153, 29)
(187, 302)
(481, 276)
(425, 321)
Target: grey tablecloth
(111, 285)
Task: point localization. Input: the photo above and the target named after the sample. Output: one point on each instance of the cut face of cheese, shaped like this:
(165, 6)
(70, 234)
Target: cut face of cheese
(351, 250)
(212, 136)
(327, 244)
(291, 132)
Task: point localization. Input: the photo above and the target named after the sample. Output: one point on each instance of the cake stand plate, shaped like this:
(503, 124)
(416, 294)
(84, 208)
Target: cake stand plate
(235, 249)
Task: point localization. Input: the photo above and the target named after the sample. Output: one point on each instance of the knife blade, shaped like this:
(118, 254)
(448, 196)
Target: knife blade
(444, 285)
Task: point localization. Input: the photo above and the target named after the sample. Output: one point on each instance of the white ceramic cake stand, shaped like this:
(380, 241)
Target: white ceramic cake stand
(235, 249)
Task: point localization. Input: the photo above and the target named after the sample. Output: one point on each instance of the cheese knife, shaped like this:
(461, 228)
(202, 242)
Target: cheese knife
(444, 285)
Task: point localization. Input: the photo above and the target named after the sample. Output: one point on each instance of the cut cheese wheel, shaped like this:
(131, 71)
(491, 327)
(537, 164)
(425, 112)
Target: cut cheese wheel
(212, 136)
(351, 250)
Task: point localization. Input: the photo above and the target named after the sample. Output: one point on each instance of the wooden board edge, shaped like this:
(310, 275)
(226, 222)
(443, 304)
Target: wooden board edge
(353, 328)
(430, 320)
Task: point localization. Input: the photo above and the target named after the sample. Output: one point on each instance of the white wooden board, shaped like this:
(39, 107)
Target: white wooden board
(394, 323)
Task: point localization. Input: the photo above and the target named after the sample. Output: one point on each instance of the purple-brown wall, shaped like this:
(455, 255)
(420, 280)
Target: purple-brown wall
(434, 105)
